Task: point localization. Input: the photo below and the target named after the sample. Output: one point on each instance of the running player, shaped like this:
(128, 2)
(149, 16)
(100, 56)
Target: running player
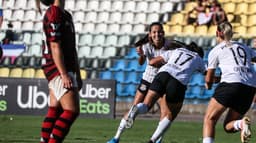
(236, 89)
(171, 80)
(152, 45)
(61, 70)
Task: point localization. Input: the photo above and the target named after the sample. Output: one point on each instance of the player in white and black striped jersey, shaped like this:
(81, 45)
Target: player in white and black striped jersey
(236, 89)
(170, 84)
(152, 45)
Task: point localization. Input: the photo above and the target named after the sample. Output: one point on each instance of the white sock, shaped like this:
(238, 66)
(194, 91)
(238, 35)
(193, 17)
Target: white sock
(142, 108)
(120, 129)
(161, 128)
(208, 140)
(237, 125)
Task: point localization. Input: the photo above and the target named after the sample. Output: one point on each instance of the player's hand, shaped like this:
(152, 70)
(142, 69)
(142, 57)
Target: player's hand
(208, 86)
(66, 80)
(139, 51)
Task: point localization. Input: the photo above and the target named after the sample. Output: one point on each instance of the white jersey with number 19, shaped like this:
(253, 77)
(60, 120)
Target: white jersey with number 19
(234, 60)
(182, 63)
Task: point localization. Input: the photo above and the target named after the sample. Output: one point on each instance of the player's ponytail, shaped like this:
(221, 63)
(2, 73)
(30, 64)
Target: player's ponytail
(142, 41)
(195, 48)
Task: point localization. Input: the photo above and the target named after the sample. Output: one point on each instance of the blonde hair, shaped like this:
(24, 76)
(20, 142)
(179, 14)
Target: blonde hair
(225, 31)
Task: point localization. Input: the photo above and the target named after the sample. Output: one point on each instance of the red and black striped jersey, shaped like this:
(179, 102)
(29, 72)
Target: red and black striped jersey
(58, 26)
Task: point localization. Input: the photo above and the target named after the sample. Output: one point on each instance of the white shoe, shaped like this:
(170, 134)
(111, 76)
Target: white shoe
(246, 130)
(131, 116)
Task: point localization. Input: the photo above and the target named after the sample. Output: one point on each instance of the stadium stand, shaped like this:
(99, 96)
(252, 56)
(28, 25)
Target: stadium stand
(107, 29)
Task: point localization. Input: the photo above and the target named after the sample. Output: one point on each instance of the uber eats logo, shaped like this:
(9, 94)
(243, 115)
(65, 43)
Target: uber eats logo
(3, 103)
(100, 106)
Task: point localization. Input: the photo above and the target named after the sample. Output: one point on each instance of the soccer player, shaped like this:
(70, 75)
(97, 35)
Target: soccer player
(170, 81)
(236, 89)
(61, 70)
(152, 45)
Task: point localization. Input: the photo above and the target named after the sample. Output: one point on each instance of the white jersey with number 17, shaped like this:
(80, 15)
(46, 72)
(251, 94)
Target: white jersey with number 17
(234, 60)
(182, 63)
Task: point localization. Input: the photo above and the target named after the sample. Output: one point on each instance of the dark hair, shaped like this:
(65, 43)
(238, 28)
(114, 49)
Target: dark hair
(145, 39)
(174, 44)
(47, 2)
(155, 24)
(195, 48)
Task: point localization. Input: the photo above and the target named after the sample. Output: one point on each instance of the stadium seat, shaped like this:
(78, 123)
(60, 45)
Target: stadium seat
(27, 26)
(85, 39)
(96, 52)
(28, 73)
(119, 76)
(99, 40)
(140, 17)
(117, 5)
(35, 50)
(113, 28)
(127, 17)
(9, 4)
(30, 15)
(195, 91)
(6, 61)
(251, 8)
(18, 15)
(78, 16)
(152, 17)
(141, 6)
(241, 8)
(132, 77)
(120, 90)
(251, 31)
(241, 31)
(229, 7)
(101, 28)
(251, 20)
(80, 5)
(93, 5)
(84, 51)
(212, 30)
(70, 5)
(105, 75)
(83, 74)
(130, 89)
(189, 6)
(105, 5)
(201, 30)
(115, 16)
(16, 72)
(139, 29)
(91, 16)
(16, 25)
(111, 40)
(39, 73)
(78, 26)
(167, 6)
(188, 30)
(88, 27)
(123, 40)
(132, 54)
(125, 29)
(119, 65)
(175, 30)
(7, 14)
(36, 38)
(20, 4)
(103, 16)
(154, 6)
(38, 26)
(197, 79)
(176, 18)
(19, 62)
(109, 52)
(26, 38)
(129, 6)
(4, 72)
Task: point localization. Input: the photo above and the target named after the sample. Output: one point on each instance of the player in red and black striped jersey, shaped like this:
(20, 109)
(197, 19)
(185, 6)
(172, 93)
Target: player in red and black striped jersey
(61, 70)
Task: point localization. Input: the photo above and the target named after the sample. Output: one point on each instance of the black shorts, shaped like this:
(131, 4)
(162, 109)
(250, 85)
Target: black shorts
(236, 96)
(143, 87)
(164, 83)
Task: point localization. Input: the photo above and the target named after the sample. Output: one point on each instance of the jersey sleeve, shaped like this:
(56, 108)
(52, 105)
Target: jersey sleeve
(213, 60)
(166, 55)
(253, 52)
(54, 25)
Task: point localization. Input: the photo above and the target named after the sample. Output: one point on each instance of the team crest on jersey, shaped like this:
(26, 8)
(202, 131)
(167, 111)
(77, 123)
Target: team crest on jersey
(55, 26)
(143, 87)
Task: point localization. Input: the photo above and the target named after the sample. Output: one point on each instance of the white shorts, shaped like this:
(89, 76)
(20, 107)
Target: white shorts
(57, 86)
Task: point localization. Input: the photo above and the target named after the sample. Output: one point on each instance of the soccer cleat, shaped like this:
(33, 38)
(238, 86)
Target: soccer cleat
(159, 140)
(246, 130)
(150, 141)
(113, 140)
(131, 116)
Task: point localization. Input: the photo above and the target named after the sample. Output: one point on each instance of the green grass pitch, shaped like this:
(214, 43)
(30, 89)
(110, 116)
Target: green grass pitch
(26, 129)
